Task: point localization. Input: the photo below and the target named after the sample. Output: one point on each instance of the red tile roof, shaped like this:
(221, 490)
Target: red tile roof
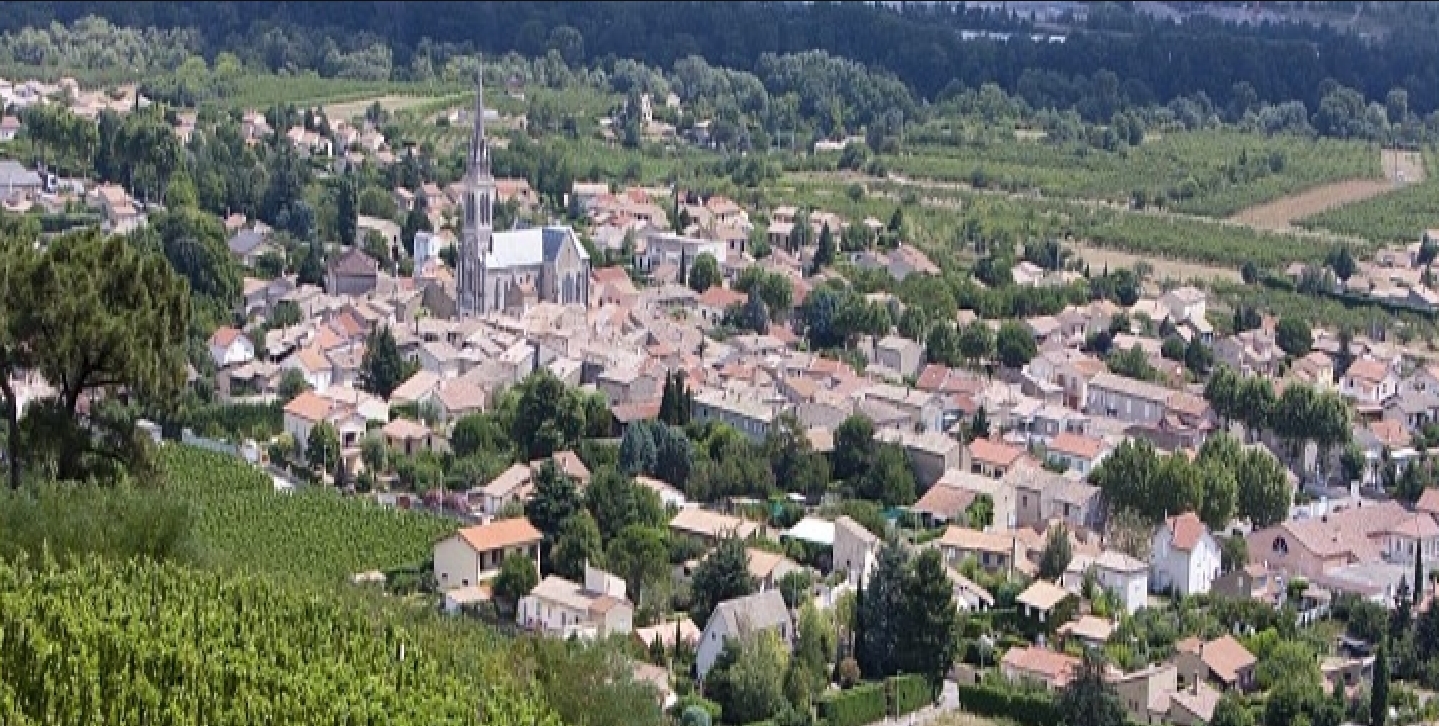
(1185, 530)
(504, 533)
(993, 452)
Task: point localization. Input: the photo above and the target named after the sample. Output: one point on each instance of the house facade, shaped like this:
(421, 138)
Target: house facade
(1185, 556)
(474, 554)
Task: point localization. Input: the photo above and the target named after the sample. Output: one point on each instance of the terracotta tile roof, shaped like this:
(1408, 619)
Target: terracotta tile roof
(309, 406)
(1088, 627)
(312, 359)
(1428, 502)
(504, 533)
(1417, 526)
(1083, 447)
(1185, 530)
(1187, 404)
(1390, 432)
(993, 452)
(973, 540)
(1368, 370)
(224, 337)
(354, 262)
(688, 632)
(932, 377)
(404, 429)
(1042, 595)
(569, 463)
(719, 297)
(1056, 668)
(637, 411)
(1224, 656)
(945, 501)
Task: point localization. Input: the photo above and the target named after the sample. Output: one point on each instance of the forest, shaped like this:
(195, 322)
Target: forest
(1151, 61)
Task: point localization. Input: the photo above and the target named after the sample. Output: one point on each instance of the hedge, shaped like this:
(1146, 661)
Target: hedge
(908, 693)
(1029, 709)
(858, 706)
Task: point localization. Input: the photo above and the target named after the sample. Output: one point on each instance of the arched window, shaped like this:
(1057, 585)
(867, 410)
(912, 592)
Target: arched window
(1280, 546)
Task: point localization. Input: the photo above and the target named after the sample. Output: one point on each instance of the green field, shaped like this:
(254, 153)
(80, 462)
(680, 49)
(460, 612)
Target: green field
(1400, 216)
(313, 535)
(1220, 171)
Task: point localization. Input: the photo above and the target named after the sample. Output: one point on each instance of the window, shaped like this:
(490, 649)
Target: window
(1280, 546)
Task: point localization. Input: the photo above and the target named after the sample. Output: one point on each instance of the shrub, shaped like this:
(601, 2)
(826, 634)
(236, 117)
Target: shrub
(859, 705)
(694, 715)
(908, 693)
(710, 708)
(848, 673)
(1029, 709)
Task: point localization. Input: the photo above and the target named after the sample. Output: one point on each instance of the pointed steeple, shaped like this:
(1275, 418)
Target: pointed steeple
(479, 160)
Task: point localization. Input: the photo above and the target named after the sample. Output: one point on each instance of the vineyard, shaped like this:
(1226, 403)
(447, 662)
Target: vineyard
(157, 644)
(312, 535)
(1213, 173)
(1400, 216)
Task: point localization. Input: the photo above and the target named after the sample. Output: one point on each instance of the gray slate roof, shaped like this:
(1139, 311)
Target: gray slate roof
(14, 175)
(246, 241)
(528, 247)
(752, 614)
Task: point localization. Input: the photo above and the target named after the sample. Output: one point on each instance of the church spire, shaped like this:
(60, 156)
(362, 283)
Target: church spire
(479, 161)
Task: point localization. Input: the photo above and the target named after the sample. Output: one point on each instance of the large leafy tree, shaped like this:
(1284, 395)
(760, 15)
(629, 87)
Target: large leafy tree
(704, 273)
(747, 679)
(516, 579)
(854, 446)
(383, 369)
(1015, 345)
(640, 554)
(889, 479)
(1089, 698)
(723, 575)
(578, 544)
(548, 416)
(90, 314)
(616, 502)
(322, 448)
(555, 500)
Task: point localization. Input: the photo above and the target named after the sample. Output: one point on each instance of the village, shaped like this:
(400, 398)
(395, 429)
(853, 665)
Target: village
(1020, 439)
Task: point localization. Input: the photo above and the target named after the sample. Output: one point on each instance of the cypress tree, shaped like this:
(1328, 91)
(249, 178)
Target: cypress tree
(1379, 689)
(1418, 578)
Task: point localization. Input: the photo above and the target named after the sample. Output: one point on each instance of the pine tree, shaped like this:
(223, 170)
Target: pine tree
(667, 401)
(824, 253)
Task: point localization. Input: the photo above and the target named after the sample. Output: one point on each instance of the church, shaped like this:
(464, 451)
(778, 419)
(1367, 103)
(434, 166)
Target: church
(510, 271)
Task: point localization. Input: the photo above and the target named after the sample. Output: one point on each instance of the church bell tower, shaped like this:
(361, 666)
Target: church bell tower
(477, 237)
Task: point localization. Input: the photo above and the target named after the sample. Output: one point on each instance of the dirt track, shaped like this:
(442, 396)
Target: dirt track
(1400, 168)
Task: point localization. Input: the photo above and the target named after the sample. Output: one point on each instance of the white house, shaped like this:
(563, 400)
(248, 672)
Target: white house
(597, 608)
(313, 365)
(474, 554)
(1369, 382)
(854, 550)
(303, 413)
(229, 347)
(739, 618)
(1125, 576)
(1185, 556)
(428, 246)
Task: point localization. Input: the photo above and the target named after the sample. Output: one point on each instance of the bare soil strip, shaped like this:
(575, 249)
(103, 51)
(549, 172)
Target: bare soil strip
(1400, 169)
